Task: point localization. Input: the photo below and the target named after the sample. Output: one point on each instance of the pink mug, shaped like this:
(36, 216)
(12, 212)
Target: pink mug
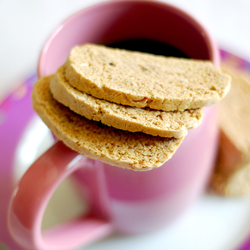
(121, 200)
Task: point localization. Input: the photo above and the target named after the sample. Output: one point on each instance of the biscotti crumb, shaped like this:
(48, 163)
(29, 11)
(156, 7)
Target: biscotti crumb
(231, 176)
(144, 80)
(153, 122)
(136, 151)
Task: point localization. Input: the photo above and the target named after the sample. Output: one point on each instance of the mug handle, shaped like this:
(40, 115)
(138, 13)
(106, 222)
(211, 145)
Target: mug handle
(30, 199)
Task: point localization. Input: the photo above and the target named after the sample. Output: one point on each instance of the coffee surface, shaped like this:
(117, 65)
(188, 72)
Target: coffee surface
(149, 46)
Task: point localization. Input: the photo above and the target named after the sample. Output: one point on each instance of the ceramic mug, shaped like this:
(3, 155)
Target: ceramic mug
(120, 199)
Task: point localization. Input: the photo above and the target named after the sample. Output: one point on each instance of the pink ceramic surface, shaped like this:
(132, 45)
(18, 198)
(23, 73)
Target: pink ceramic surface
(123, 200)
(11, 114)
(12, 111)
(113, 21)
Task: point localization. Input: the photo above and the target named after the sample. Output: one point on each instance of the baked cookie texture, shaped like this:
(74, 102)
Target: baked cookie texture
(153, 122)
(144, 80)
(137, 151)
(128, 109)
(231, 176)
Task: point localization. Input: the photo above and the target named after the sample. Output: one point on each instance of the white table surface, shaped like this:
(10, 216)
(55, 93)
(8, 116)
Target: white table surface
(26, 24)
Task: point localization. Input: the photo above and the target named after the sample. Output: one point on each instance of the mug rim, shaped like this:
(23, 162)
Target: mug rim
(210, 42)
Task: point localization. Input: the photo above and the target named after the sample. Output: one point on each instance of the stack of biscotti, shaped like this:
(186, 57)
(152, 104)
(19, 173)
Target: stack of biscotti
(232, 173)
(128, 109)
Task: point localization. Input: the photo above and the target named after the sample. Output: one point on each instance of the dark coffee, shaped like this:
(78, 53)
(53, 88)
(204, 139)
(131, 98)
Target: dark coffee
(149, 46)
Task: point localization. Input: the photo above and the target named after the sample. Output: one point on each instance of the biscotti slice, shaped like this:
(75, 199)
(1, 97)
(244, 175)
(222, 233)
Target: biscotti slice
(232, 173)
(136, 151)
(145, 80)
(153, 122)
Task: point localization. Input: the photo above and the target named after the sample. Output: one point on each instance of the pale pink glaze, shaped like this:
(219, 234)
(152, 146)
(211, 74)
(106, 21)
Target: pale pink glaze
(120, 199)
(32, 195)
(137, 202)
(114, 21)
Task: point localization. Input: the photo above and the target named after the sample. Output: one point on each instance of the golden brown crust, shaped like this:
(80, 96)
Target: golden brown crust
(232, 173)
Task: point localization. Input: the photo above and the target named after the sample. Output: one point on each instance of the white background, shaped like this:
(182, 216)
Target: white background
(26, 24)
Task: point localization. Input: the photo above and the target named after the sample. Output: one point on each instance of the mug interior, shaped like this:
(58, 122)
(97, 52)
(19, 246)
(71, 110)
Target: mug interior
(115, 21)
